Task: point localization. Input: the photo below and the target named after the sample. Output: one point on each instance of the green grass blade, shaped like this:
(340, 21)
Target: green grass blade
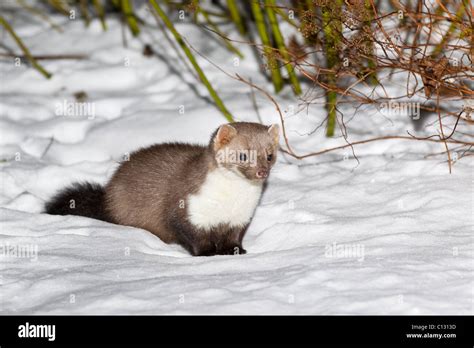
(25, 49)
(100, 12)
(127, 10)
(235, 16)
(219, 103)
(332, 28)
(267, 48)
(280, 42)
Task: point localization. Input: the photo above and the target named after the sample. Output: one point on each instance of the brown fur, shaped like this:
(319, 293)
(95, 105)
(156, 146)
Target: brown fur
(154, 184)
(150, 190)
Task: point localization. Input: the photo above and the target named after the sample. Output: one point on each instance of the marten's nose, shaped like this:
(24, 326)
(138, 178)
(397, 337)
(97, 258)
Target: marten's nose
(262, 173)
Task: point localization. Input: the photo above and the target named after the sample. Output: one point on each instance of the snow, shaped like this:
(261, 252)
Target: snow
(390, 235)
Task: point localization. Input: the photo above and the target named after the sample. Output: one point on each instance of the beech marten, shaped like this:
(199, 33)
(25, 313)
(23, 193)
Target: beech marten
(201, 197)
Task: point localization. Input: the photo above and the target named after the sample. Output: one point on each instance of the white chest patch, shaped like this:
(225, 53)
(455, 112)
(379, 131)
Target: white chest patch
(224, 197)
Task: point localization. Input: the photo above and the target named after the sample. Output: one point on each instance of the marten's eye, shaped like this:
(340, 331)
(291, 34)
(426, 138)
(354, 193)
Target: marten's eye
(242, 157)
(269, 157)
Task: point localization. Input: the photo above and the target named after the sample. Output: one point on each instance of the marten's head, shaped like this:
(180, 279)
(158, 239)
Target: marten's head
(248, 149)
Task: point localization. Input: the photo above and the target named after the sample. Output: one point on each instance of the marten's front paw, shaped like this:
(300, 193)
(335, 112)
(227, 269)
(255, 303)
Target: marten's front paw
(208, 250)
(224, 250)
(234, 250)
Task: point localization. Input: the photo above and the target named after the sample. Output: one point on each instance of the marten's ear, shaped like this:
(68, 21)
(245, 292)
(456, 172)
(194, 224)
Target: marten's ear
(224, 135)
(274, 131)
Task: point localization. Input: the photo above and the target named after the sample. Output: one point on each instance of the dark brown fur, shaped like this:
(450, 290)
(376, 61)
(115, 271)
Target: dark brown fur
(84, 199)
(150, 190)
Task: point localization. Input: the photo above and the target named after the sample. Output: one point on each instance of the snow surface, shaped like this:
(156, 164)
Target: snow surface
(391, 235)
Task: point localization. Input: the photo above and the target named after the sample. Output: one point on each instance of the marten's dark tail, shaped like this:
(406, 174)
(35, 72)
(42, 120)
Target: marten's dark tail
(84, 199)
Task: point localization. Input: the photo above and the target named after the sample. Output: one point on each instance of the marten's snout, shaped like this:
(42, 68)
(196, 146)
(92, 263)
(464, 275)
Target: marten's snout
(262, 173)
